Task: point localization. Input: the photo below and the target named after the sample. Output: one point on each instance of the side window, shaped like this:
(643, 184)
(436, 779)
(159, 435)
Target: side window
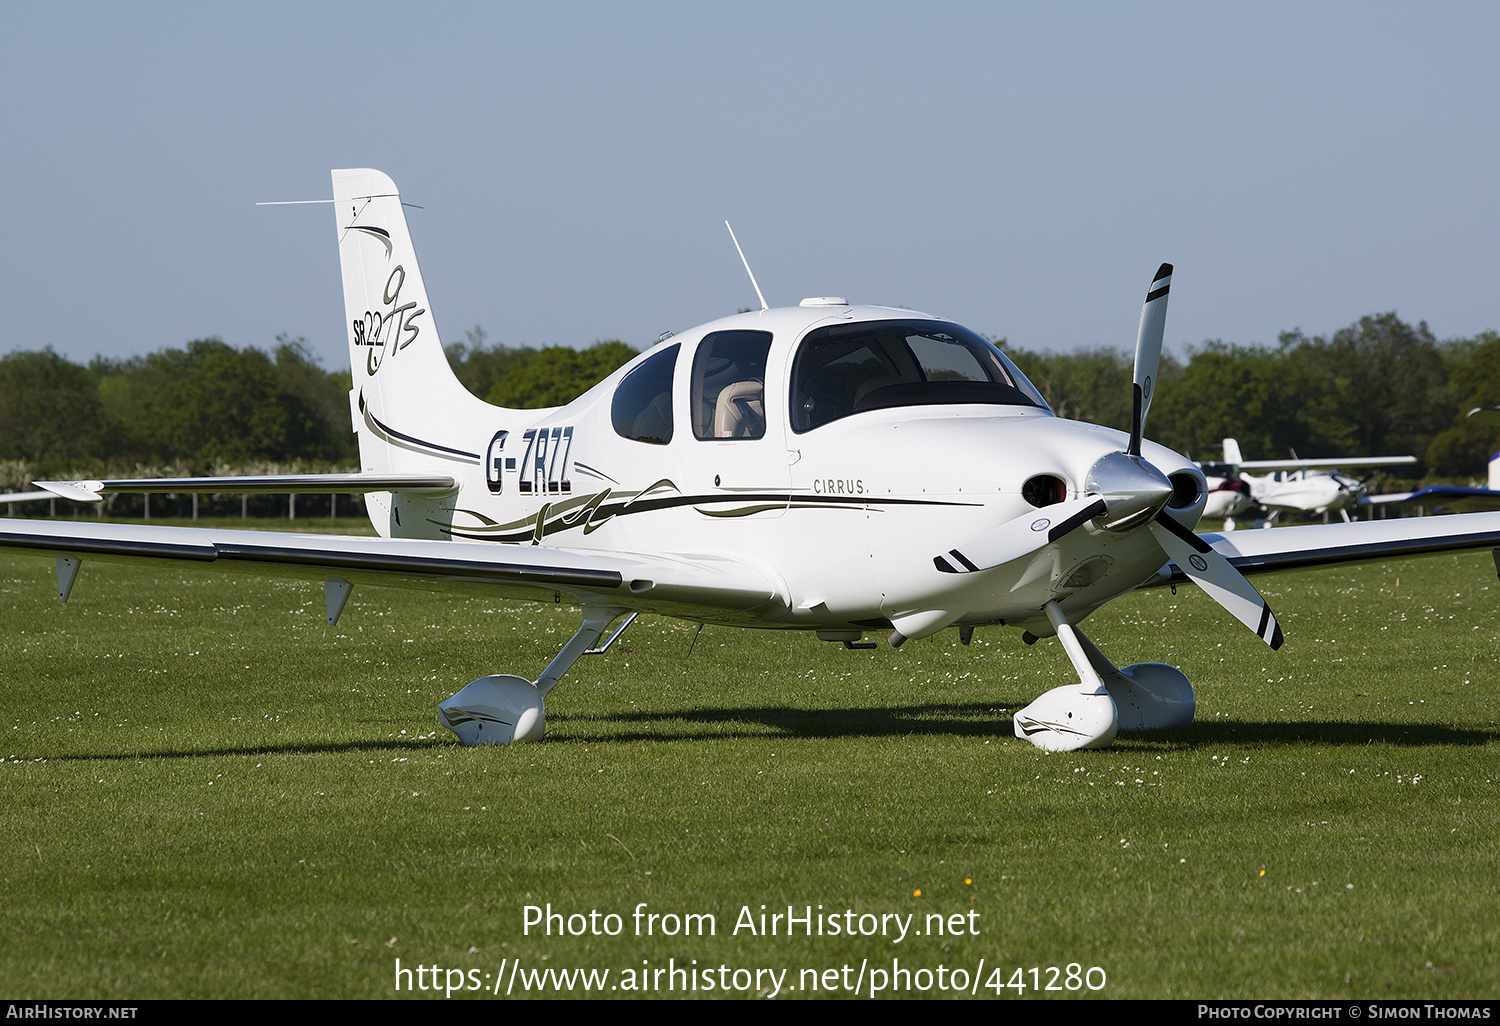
(642, 408)
(729, 385)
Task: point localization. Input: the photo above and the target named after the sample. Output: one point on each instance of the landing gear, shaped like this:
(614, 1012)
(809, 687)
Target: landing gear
(1148, 696)
(1106, 699)
(495, 710)
(1073, 716)
(502, 707)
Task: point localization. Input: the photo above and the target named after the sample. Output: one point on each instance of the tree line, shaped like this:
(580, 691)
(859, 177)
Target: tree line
(209, 408)
(1378, 387)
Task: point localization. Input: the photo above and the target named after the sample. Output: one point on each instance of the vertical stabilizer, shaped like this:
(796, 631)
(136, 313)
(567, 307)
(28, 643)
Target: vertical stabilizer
(1232, 452)
(410, 412)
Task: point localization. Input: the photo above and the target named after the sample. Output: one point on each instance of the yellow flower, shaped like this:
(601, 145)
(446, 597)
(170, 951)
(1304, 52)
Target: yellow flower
(917, 893)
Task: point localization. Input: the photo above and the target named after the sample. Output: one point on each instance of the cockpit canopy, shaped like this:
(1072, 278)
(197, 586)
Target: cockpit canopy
(838, 370)
(872, 365)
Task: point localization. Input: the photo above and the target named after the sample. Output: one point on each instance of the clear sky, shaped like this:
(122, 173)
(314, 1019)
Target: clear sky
(1022, 168)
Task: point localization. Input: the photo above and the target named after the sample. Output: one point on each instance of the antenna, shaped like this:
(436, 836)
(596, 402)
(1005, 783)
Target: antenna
(751, 273)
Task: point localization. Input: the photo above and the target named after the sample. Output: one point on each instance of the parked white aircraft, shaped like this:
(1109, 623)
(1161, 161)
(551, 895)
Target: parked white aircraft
(1306, 486)
(826, 467)
(1228, 493)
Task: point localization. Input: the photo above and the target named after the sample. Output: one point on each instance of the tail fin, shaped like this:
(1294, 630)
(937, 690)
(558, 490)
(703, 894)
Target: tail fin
(412, 416)
(1232, 452)
(410, 412)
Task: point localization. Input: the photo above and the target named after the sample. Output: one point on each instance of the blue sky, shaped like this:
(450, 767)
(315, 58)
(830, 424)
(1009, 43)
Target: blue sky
(1020, 168)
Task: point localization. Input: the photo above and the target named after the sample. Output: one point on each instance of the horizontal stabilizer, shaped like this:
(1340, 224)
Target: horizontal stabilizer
(302, 484)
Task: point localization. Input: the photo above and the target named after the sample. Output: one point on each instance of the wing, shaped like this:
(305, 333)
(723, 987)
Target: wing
(1430, 492)
(1287, 548)
(1334, 463)
(702, 586)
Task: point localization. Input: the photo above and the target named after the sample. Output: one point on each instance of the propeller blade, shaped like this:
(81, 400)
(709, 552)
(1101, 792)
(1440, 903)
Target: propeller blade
(1215, 575)
(1021, 536)
(1148, 353)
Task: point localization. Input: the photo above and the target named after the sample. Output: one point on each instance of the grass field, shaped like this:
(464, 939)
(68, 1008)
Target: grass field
(208, 792)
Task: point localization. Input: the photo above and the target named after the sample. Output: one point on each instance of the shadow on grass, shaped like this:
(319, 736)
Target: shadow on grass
(404, 744)
(974, 719)
(977, 719)
(934, 719)
(957, 719)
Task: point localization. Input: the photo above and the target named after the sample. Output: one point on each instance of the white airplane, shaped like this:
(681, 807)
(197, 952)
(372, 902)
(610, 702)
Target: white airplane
(825, 467)
(1303, 485)
(1228, 493)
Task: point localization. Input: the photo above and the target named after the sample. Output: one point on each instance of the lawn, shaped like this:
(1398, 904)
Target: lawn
(209, 792)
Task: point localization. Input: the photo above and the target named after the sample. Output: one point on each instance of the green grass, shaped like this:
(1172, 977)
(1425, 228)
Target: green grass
(208, 792)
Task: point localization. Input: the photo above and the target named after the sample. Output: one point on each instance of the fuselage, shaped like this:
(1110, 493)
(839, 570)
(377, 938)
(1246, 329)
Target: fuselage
(837, 449)
(1228, 495)
(1311, 491)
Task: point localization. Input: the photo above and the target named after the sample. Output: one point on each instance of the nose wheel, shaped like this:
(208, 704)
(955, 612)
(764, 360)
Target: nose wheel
(1107, 699)
(1074, 716)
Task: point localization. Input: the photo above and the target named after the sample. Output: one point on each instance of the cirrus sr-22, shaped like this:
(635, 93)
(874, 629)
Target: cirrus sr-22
(825, 467)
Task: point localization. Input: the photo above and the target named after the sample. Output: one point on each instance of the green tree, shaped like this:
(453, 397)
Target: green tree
(1092, 385)
(1463, 448)
(49, 410)
(209, 402)
(558, 375)
(320, 402)
(480, 366)
(1387, 380)
(530, 379)
(1271, 400)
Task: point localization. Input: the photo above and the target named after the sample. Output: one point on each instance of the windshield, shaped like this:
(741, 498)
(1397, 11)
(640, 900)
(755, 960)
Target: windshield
(875, 365)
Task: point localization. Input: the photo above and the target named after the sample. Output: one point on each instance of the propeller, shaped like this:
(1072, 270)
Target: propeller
(1217, 576)
(1123, 493)
(1148, 353)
